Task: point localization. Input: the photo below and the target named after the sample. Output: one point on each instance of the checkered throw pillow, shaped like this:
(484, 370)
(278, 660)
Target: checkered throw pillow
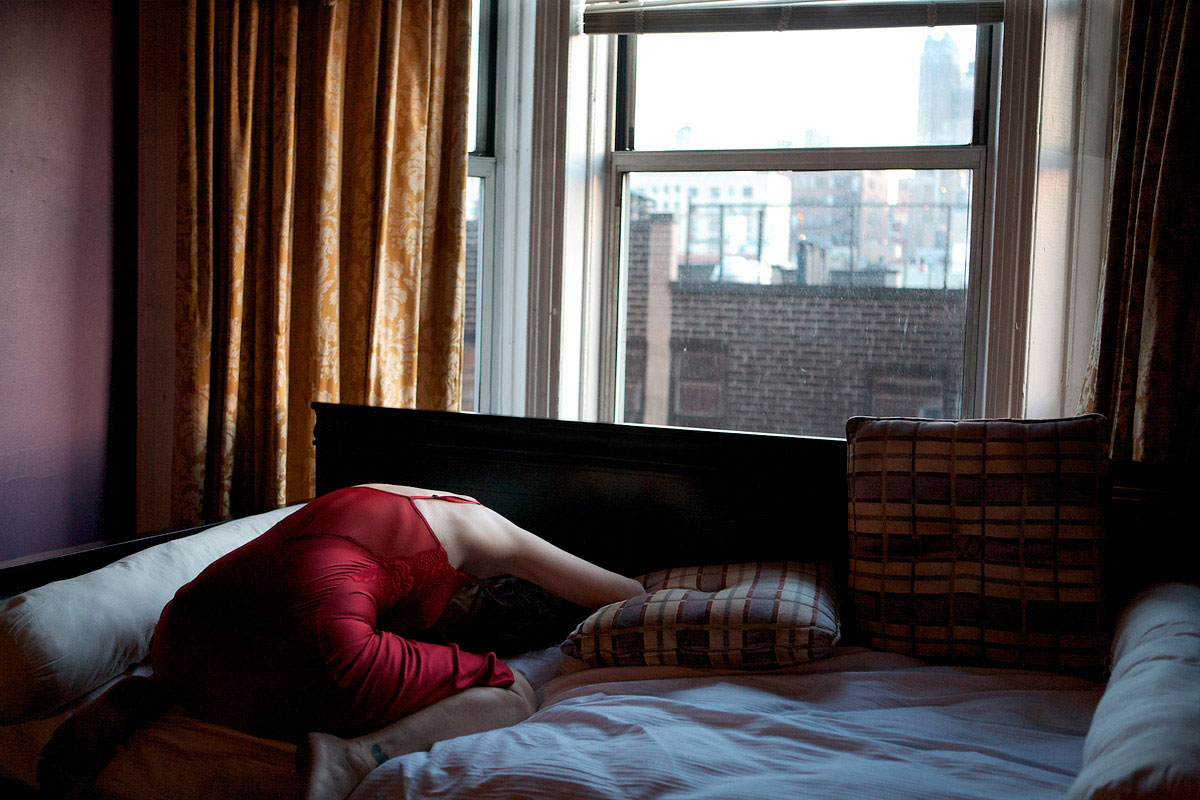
(739, 616)
(979, 542)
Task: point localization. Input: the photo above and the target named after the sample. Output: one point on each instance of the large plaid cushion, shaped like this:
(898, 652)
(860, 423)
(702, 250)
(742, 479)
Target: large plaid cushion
(979, 541)
(739, 616)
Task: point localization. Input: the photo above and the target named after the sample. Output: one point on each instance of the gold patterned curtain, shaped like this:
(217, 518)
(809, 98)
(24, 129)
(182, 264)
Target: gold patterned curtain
(1145, 368)
(322, 173)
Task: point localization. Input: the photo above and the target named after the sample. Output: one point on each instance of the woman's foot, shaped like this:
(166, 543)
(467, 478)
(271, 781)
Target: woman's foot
(331, 767)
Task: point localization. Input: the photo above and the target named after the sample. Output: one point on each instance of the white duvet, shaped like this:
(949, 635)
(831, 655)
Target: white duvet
(860, 724)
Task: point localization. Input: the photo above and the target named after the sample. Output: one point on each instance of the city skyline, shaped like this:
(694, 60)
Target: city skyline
(900, 228)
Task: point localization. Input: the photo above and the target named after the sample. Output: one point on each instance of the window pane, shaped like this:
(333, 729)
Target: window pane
(470, 311)
(842, 88)
(473, 97)
(789, 301)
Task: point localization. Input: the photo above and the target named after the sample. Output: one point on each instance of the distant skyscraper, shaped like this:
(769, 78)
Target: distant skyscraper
(944, 106)
(933, 204)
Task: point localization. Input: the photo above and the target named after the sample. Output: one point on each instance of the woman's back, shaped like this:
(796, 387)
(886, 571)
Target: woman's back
(297, 630)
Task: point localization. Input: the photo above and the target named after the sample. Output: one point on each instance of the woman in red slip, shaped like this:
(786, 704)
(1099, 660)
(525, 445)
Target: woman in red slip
(319, 631)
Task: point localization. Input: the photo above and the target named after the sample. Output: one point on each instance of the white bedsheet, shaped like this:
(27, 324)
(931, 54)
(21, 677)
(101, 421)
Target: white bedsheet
(857, 725)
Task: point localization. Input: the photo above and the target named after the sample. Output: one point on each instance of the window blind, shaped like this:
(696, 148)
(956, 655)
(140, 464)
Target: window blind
(711, 16)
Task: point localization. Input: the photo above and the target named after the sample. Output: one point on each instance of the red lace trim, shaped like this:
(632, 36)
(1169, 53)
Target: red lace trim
(403, 575)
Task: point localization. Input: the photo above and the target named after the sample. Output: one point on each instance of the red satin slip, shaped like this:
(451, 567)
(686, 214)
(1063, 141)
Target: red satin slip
(307, 627)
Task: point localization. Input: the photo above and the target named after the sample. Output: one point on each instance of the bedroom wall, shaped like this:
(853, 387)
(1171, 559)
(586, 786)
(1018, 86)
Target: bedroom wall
(157, 158)
(56, 268)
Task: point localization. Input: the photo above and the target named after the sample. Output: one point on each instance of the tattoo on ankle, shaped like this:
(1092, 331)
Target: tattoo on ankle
(379, 755)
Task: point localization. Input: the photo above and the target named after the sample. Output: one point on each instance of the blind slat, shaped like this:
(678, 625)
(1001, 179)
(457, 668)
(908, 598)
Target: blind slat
(693, 17)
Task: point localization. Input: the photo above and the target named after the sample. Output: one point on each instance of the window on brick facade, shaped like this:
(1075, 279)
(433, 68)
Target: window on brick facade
(917, 395)
(635, 377)
(823, 260)
(697, 383)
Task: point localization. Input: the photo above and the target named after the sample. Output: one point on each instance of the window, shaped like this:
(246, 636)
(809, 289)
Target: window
(824, 260)
(697, 384)
(635, 376)
(825, 88)
(580, 137)
(911, 395)
(481, 192)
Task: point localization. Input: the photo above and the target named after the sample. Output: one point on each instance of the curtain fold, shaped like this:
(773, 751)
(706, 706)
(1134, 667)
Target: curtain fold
(322, 174)
(1145, 367)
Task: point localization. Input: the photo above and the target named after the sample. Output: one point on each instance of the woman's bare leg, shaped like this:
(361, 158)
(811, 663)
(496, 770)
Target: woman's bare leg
(332, 767)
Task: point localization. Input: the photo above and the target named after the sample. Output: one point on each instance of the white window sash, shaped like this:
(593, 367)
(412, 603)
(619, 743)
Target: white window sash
(973, 157)
(711, 16)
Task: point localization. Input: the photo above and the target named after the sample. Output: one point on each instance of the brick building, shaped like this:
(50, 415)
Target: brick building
(470, 315)
(784, 358)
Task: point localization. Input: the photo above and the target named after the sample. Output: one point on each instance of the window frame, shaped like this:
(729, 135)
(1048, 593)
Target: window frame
(482, 163)
(541, 350)
(978, 156)
(507, 310)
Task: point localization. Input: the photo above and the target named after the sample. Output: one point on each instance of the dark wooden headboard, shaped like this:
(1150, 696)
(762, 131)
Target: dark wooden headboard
(630, 497)
(636, 498)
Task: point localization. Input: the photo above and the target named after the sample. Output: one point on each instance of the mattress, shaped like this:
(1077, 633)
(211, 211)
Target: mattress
(857, 724)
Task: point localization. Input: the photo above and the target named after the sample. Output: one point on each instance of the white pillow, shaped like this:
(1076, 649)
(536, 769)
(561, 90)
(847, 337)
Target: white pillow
(1144, 741)
(62, 640)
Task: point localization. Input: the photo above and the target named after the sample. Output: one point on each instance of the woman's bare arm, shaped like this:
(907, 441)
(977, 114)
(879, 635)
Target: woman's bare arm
(489, 545)
(518, 552)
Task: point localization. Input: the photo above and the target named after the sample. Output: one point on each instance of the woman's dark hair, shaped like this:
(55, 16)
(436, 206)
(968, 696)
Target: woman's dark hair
(509, 616)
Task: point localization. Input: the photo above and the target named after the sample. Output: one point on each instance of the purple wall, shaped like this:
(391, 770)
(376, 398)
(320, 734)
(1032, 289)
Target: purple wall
(56, 118)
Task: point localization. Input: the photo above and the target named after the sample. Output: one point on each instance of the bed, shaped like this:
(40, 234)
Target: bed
(859, 722)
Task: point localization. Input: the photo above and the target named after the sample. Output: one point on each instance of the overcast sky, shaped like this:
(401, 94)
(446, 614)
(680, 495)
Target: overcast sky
(859, 87)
